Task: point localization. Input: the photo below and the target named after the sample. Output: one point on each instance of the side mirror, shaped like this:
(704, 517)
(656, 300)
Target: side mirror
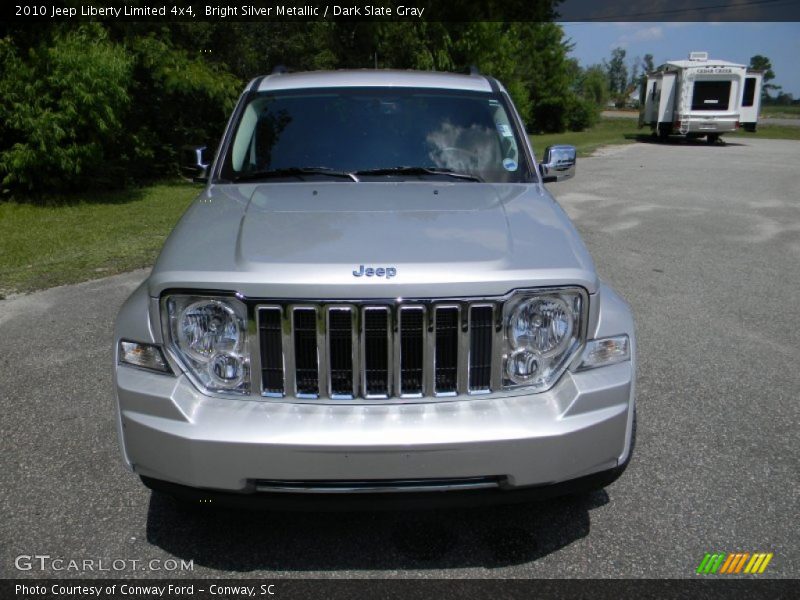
(195, 163)
(558, 163)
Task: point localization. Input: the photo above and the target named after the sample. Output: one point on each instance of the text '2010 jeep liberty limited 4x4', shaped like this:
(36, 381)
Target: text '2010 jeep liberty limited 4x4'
(375, 296)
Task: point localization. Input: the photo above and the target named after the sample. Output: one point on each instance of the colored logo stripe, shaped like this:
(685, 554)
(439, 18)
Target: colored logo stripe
(711, 562)
(734, 563)
(758, 563)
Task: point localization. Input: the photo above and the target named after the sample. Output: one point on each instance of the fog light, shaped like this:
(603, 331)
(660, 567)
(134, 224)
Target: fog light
(226, 369)
(522, 366)
(606, 351)
(144, 356)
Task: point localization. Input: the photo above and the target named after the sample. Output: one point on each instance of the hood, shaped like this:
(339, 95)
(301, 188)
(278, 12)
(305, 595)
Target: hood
(320, 240)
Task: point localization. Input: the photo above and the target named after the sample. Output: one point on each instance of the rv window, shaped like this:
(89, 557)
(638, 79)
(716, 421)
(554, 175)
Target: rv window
(711, 95)
(749, 91)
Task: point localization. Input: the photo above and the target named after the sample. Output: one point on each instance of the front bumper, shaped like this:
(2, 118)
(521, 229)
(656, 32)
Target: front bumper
(173, 433)
(710, 124)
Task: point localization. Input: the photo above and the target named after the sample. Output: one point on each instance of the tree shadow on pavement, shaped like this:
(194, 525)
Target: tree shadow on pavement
(490, 537)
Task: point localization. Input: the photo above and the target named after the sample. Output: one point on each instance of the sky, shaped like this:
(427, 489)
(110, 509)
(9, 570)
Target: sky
(736, 42)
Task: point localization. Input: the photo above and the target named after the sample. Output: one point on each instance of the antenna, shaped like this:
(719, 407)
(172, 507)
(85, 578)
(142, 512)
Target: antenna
(279, 70)
(473, 70)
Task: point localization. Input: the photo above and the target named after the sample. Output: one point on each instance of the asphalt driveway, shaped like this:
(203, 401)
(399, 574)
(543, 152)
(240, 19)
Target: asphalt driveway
(703, 241)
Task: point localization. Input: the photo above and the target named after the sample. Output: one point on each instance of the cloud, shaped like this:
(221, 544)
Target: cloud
(645, 34)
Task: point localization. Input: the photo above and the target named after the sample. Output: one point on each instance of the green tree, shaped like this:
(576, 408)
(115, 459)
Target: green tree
(85, 105)
(763, 64)
(545, 69)
(617, 72)
(594, 85)
(636, 64)
(61, 109)
(647, 64)
(495, 49)
(177, 99)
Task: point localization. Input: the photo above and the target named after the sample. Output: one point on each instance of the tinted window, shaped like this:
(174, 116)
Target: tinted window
(749, 91)
(356, 129)
(711, 95)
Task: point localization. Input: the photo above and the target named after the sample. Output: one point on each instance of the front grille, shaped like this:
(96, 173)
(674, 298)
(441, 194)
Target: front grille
(405, 350)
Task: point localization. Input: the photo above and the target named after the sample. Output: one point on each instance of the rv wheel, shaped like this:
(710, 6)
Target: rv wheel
(712, 138)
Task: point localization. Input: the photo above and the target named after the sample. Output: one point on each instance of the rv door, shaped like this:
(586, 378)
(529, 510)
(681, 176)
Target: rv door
(751, 101)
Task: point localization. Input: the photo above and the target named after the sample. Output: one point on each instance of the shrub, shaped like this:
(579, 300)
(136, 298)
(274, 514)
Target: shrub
(581, 114)
(177, 100)
(61, 111)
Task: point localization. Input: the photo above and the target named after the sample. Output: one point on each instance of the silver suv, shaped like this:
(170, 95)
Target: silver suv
(375, 297)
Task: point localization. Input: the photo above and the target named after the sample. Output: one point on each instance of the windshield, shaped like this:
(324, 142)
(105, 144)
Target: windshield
(376, 133)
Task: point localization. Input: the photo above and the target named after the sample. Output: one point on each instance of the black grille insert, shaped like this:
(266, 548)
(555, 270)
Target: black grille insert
(376, 351)
(305, 351)
(412, 349)
(446, 374)
(340, 343)
(269, 322)
(480, 347)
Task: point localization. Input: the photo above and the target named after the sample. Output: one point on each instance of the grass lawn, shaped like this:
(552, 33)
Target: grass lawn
(790, 111)
(607, 131)
(93, 235)
(773, 132)
(624, 131)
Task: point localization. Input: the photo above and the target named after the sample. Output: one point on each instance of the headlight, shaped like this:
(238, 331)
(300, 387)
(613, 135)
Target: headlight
(208, 327)
(543, 332)
(209, 336)
(543, 325)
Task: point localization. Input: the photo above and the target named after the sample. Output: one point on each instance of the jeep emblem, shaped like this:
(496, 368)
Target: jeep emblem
(387, 272)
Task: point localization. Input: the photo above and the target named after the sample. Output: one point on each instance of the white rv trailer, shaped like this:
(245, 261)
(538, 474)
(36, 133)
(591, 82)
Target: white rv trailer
(700, 97)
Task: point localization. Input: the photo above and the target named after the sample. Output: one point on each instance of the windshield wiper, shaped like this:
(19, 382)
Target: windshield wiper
(420, 171)
(298, 172)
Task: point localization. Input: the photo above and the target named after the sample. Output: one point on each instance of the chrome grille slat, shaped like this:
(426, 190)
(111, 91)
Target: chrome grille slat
(401, 349)
(287, 337)
(323, 378)
(463, 349)
(497, 343)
